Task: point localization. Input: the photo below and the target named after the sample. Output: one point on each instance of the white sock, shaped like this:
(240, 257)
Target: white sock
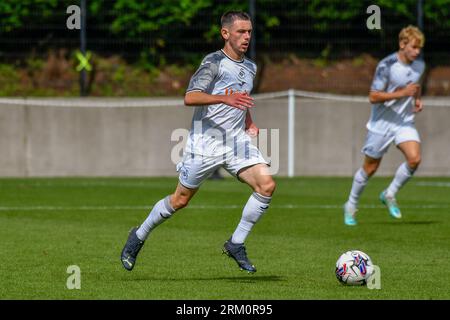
(256, 205)
(403, 174)
(161, 211)
(359, 182)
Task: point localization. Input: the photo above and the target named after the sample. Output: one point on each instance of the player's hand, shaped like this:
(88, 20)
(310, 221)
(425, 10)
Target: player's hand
(252, 130)
(411, 90)
(239, 100)
(418, 107)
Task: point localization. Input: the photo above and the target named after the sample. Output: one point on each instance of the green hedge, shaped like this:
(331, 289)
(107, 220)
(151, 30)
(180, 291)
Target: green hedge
(132, 18)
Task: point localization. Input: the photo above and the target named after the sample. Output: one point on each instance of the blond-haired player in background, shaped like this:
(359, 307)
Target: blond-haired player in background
(395, 97)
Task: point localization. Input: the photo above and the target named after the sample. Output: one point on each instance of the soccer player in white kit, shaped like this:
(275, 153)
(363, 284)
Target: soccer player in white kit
(220, 136)
(395, 96)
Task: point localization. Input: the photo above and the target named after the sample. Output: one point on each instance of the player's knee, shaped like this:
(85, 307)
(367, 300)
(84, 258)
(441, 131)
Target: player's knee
(414, 162)
(371, 169)
(179, 202)
(267, 188)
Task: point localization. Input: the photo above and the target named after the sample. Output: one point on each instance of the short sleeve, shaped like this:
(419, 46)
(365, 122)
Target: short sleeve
(204, 76)
(381, 78)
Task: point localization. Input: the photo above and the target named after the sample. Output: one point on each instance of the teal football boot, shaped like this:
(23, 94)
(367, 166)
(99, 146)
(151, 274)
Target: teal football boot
(391, 204)
(349, 215)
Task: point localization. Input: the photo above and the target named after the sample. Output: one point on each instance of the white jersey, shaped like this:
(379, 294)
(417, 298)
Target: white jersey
(217, 128)
(390, 75)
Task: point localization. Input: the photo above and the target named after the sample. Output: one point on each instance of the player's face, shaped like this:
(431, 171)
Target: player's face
(411, 50)
(238, 35)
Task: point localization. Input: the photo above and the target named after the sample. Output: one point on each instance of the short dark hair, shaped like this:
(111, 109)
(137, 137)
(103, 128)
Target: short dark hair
(230, 16)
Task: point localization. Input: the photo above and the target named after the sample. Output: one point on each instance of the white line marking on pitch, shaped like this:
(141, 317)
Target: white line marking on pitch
(433, 184)
(229, 207)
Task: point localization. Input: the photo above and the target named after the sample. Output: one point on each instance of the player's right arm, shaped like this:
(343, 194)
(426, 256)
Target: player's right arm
(411, 90)
(202, 83)
(378, 93)
(237, 100)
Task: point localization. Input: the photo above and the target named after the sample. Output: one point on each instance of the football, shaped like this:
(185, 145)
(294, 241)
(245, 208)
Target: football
(354, 267)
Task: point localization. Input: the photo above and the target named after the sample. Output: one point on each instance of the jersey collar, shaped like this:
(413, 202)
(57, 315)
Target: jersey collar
(237, 61)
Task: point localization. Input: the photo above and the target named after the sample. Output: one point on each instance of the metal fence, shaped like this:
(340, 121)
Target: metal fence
(281, 28)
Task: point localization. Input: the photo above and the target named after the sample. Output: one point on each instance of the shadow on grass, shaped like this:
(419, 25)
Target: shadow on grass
(248, 278)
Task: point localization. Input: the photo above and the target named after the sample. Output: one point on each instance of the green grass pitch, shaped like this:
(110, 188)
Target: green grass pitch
(47, 225)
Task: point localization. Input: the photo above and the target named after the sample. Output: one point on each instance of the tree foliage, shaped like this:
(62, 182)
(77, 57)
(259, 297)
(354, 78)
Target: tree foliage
(135, 17)
(158, 23)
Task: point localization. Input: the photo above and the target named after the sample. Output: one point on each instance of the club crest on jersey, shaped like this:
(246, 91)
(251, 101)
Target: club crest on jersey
(241, 73)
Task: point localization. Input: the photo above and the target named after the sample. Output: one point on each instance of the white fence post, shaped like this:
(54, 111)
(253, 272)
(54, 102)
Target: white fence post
(291, 132)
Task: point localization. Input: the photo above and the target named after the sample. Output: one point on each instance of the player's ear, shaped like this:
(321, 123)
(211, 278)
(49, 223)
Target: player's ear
(402, 44)
(225, 33)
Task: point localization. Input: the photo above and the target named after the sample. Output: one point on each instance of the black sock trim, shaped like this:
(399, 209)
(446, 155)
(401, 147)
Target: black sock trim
(168, 206)
(261, 198)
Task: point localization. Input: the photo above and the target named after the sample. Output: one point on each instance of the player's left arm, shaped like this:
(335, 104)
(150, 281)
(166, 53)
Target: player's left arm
(418, 104)
(250, 127)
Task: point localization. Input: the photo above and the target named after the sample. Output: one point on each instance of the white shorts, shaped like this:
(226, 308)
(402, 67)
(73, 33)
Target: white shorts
(377, 145)
(194, 169)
